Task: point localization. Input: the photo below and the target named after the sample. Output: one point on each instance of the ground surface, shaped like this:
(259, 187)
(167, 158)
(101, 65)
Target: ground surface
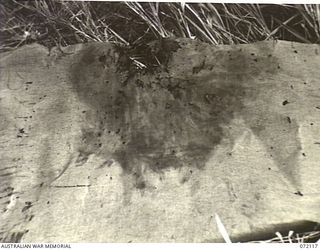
(92, 151)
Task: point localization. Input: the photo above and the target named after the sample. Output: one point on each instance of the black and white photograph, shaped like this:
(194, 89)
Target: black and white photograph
(159, 122)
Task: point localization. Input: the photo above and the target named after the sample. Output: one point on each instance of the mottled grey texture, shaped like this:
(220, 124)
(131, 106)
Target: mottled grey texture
(92, 153)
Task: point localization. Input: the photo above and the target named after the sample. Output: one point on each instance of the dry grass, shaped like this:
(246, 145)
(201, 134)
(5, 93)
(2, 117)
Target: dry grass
(134, 25)
(292, 237)
(130, 24)
(53, 22)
